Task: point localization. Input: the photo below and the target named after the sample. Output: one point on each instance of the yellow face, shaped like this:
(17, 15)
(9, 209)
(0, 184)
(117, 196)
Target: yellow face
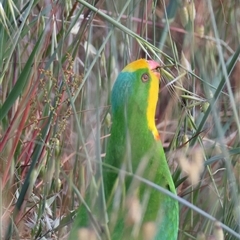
(153, 90)
(152, 103)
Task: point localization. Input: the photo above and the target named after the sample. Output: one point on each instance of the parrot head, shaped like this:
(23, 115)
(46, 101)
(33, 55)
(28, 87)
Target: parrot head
(136, 90)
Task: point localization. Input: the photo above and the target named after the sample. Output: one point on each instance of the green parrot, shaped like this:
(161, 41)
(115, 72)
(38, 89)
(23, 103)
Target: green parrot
(134, 146)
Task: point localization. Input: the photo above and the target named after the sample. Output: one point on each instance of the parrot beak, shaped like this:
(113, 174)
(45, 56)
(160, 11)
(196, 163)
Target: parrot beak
(155, 68)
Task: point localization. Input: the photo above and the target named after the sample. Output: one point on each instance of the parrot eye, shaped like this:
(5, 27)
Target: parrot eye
(145, 77)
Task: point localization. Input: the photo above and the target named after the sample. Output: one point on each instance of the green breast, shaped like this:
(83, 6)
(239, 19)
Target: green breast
(134, 149)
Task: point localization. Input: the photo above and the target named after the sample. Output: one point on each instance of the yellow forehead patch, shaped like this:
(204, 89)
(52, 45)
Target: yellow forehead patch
(138, 64)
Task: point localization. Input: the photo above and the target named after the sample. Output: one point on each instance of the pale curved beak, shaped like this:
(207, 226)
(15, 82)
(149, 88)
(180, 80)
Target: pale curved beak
(155, 68)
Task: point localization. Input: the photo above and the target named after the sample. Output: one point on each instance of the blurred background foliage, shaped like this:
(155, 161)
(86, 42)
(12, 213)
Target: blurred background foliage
(58, 62)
